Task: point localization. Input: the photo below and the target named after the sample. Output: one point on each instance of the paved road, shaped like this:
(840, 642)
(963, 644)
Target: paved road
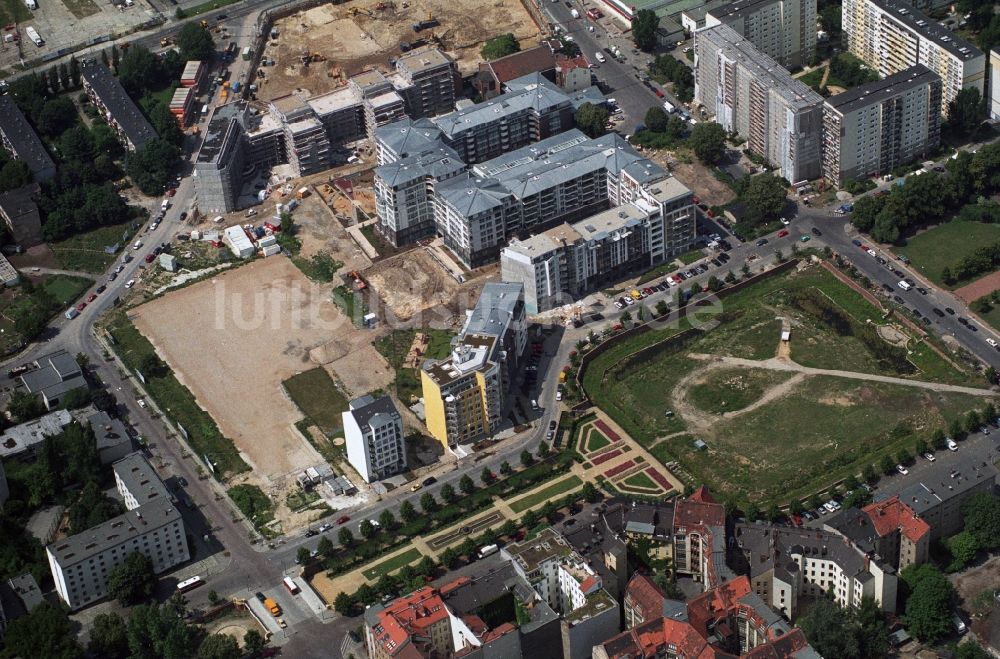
(633, 97)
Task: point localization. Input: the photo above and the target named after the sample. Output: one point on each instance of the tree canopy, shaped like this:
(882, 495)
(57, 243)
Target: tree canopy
(219, 646)
(764, 198)
(592, 119)
(982, 519)
(158, 631)
(644, 27)
(833, 631)
(108, 636)
(151, 166)
(140, 71)
(195, 43)
(501, 46)
(656, 119)
(708, 141)
(133, 580)
(965, 111)
(928, 608)
(45, 632)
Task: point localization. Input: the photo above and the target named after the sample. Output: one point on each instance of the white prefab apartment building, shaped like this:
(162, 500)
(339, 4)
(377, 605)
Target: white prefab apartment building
(891, 36)
(152, 526)
(753, 96)
(373, 432)
(872, 129)
(783, 29)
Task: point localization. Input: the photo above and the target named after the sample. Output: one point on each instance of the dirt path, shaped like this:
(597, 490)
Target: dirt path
(778, 365)
(826, 76)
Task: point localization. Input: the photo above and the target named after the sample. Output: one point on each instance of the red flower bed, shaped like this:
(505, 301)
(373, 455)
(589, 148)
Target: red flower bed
(606, 456)
(608, 432)
(660, 479)
(614, 471)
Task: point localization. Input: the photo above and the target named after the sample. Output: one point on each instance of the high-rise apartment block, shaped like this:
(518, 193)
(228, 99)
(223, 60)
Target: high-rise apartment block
(892, 36)
(753, 96)
(783, 29)
(994, 102)
(465, 394)
(872, 129)
(373, 433)
(564, 263)
(152, 526)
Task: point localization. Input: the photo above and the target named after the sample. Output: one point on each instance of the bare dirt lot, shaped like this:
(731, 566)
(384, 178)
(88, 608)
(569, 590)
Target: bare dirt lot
(696, 176)
(413, 287)
(256, 327)
(979, 288)
(351, 43)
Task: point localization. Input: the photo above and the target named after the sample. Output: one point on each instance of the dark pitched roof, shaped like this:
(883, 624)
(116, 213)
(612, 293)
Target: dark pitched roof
(120, 105)
(537, 59)
(23, 139)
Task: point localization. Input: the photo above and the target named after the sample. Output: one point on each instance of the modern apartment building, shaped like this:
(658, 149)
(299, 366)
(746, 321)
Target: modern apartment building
(753, 96)
(430, 82)
(21, 141)
(564, 263)
(531, 113)
(892, 36)
(730, 620)
(872, 129)
(116, 107)
(405, 192)
(152, 526)
(465, 394)
(307, 145)
(785, 30)
(570, 586)
(373, 432)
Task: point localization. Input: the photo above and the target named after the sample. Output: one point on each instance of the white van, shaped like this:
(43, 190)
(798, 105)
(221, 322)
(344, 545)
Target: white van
(165, 205)
(958, 624)
(600, 57)
(902, 284)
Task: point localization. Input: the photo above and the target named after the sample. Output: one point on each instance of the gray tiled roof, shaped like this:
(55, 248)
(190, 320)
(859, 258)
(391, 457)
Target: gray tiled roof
(439, 162)
(121, 107)
(408, 136)
(495, 308)
(23, 138)
(469, 196)
(880, 90)
(366, 408)
(540, 96)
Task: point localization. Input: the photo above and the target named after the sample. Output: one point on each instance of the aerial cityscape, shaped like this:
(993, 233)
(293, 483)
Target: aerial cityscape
(593, 329)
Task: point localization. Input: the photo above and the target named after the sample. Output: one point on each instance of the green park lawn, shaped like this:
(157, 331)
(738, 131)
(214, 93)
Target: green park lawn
(317, 396)
(546, 493)
(794, 442)
(85, 252)
(397, 562)
(945, 245)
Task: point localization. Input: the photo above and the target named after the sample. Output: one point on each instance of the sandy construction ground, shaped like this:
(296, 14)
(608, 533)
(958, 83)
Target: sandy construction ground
(350, 42)
(977, 289)
(233, 339)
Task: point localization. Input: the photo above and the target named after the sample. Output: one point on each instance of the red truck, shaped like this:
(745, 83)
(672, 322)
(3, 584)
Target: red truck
(594, 13)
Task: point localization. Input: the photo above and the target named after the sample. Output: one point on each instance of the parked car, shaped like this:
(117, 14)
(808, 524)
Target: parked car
(951, 444)
(816, 232)
(903, 470)
(81, 306)
(430, 480)
(761, 242)
(93, 296)
(130, 283)
(929, 456)
(782, 233)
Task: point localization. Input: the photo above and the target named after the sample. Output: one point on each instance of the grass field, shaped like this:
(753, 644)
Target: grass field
(396, 345)
(203, 434)
(595, 440)
(13, 11)
(546, 493)
(85, 252)
(316, 394)
(640, 481)
(824, 429)
(657, 272)
(946, 245)
(688, 258)
(731, 389)
(66, 289)
(813, 78)
(395, 563)
(796, 440)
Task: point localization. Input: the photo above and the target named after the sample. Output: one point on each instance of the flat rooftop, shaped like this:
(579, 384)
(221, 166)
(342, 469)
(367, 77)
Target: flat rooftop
(140, 479)
(764, 69)
(497, 305)
(546, 242)
(929, 29)
(218, 127)
(530, 554)
(606, 223)
(471, 355)
(881, 90)
(418, 61)
(21, 437)
(114, 532)
(335, 101)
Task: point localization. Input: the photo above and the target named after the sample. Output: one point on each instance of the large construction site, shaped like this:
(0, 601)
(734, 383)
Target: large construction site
(317, 50)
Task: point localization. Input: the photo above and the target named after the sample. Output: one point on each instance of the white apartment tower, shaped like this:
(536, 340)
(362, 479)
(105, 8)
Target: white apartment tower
(891, 36)
(152, 526)
(872, 129)
(374, 437)
(783, 29)
(753, 96)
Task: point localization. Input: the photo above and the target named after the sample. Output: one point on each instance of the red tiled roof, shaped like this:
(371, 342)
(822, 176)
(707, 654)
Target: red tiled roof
(642, 594)
(702, 494)
(519, 64)
(892, 514)
(709, 605)
(693, 512)
(409, 615)
(567, 63)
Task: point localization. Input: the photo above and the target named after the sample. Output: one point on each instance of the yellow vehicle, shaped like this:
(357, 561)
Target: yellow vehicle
(635, 294)
(562, 376)
(416, 487)
(204, 24)
(273, 607)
